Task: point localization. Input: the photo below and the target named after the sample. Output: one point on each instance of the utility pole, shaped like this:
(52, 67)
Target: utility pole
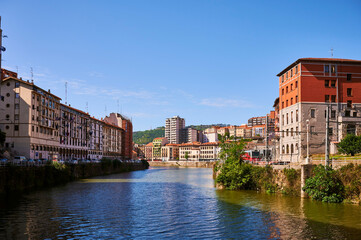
(327, 141)
(1, 49)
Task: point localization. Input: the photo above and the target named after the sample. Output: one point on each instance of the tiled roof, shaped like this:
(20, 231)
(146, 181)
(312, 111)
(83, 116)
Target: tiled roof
(149, 144)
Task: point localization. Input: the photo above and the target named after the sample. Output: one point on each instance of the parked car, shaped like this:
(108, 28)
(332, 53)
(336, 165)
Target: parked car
(74, 161)
(31, 162)
(20, 160)
(61, 161)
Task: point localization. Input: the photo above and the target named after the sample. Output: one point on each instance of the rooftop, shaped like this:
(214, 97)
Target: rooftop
(331, 60)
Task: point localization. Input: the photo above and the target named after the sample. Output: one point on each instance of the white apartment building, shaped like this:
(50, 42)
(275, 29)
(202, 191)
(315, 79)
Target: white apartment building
(173, 129)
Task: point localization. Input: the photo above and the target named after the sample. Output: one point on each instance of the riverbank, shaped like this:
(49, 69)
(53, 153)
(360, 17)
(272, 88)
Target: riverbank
(19, 179)
(182, 164)
(286, 181)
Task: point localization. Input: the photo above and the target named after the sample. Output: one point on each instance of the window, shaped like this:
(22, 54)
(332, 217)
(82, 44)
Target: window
(16, 127)
(17, 84)
(8, 94)
(347, 113)
(291, 101)
(297, 115)
(333, 114)
(291, 148)
(333, 69)
(7, 116)
(16, 106)
(283, 91)
(286, 89)
(327, 68)
(286, 75)
(312, 129)
(349, 92)
(296, 133)
(327, 98)
(8, 84)
(349, 76)
(283, 119)
(291, 86)
(37, 129)
(16, 116)
(296, 84)
(333, 83)
(283, 78)
(286, 103)
(17, 95)
(296, 71)
(8, 105)
(287, 133)
(313, 113)
(333, 98)
(349, 103)
(291, 72)
(291, 132)
(296, 99)
(354, 114)
(32, 128)
(330, 131)
(287, 118)
(7, 127)
(327, 83)
(292, 117)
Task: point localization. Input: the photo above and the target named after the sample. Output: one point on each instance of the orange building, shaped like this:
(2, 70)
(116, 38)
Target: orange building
(306, 88)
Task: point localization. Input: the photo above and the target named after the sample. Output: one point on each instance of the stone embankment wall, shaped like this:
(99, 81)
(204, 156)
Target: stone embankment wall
(184, 164)
(23, 179)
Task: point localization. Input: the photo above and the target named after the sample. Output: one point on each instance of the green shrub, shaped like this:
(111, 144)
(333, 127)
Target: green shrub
(291, 175)
(325, 185)
(236, 176)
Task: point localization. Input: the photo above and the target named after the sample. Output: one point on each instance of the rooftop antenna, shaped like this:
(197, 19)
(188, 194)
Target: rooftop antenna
(66, 93)
(32, 74)
(17, 70)
(118, 105)
(331, 52)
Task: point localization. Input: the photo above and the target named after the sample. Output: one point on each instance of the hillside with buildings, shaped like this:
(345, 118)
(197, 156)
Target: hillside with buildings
(144, 137)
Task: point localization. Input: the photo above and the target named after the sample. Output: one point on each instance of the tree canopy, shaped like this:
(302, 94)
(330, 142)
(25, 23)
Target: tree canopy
(351, 144)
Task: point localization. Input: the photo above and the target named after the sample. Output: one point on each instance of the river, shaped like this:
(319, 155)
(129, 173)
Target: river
(170, 203)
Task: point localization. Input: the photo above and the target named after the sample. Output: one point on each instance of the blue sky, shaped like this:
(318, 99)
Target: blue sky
(206, 61)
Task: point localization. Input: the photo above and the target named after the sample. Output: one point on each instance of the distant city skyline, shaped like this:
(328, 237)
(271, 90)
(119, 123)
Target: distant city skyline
(206, 61)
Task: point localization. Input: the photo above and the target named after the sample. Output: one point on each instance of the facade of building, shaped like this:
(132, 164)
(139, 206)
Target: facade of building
(158, 143)
(209, 151)
(126, 124)
(29, 117)
(190, 150)
(148, 151)
(256, 121)
(95, 150)
(39, 126)
(170, 152)
(173, 129)
(307, 88)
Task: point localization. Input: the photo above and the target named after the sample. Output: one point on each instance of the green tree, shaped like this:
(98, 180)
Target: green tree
(2, 138)
(325, 185)
(186, 156)
(231, 150)
(351, 144)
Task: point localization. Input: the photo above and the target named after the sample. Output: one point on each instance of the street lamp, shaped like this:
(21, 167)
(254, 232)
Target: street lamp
(308, 151)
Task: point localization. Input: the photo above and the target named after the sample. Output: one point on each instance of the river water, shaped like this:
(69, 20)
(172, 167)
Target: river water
(170, 203)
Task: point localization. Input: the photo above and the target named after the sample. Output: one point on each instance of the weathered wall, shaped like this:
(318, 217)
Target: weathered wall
(23, 179)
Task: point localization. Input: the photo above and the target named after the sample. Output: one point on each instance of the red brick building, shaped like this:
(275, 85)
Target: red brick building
(306, 88)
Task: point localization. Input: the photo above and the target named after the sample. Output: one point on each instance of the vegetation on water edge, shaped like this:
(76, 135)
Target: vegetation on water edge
(325, 185)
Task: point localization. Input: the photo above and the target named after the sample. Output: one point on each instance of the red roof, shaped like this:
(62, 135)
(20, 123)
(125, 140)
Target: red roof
(149, 144)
